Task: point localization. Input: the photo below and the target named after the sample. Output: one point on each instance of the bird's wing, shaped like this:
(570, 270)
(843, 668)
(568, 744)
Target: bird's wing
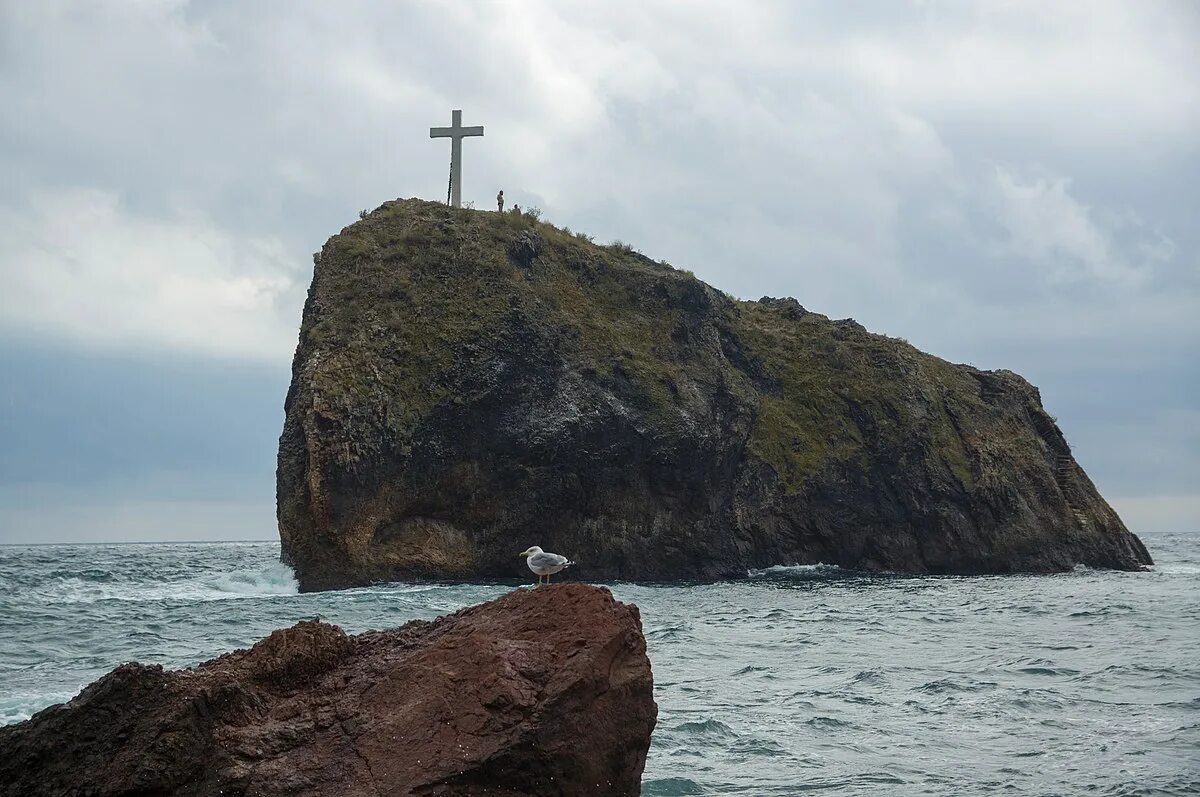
(548, 560)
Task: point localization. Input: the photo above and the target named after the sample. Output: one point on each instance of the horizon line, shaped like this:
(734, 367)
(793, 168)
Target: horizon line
(133, 542)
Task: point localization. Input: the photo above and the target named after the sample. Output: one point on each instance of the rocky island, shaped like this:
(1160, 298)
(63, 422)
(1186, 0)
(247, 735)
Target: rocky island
(467, 384)
(541, 692)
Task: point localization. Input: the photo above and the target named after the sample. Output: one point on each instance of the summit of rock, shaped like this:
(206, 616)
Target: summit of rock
(470, 383)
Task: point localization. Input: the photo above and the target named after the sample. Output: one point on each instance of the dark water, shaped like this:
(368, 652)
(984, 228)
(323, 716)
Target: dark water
(800, 680)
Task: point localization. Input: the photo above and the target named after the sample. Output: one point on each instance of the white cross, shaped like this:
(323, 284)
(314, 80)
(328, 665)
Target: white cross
(455, 132)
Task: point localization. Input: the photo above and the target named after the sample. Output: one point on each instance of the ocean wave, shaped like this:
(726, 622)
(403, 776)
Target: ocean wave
(827, 723)
(15, 708)
(820, 568)
(708, 727)
(275, 578)
(670, 787)
(1060, 671)
(1177, 569)
(669, 632)
(805, 680)
(97, 574)
(750, 669)
(944, 685)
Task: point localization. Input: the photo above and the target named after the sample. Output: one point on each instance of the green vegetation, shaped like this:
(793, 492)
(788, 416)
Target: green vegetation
(405, 298)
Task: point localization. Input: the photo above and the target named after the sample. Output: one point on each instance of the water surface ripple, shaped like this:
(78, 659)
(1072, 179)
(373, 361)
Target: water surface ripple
(800, 680)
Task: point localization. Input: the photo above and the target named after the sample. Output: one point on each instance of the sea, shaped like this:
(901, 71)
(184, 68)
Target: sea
(799, 680)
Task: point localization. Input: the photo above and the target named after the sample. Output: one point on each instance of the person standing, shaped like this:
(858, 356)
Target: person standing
(500, 201)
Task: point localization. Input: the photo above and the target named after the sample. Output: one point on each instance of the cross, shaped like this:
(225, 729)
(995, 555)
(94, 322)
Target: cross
(455, 132)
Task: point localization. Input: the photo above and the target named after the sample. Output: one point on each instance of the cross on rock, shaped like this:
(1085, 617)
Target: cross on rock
(456, 133)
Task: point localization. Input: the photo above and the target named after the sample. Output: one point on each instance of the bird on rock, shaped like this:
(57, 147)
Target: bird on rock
(544, 564)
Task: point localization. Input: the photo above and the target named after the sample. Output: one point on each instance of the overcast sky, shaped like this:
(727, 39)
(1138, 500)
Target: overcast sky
(1010, 184)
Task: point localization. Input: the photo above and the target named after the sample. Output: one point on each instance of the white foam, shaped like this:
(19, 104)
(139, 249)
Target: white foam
(794, 570)
(1177, 569)
(275, 578)
(14, 708)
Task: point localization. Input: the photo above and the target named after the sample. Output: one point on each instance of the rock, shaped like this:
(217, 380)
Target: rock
(468, 384)
(525, 247)
(540, 692)
(788, 307)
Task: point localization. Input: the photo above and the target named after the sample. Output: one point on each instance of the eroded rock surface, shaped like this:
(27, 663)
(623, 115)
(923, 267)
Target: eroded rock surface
(468, 384)
(541, 692)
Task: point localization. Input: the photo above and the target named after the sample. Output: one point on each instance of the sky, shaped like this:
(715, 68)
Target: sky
(1007, 184)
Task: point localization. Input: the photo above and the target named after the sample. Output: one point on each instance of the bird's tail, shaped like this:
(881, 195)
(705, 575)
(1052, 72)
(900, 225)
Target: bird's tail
(568, 564)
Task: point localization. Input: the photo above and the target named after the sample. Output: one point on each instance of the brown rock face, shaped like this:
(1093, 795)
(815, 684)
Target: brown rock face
(540, 692)
(468, 384)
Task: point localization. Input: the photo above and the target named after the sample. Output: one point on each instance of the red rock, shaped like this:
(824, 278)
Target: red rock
(540, 692)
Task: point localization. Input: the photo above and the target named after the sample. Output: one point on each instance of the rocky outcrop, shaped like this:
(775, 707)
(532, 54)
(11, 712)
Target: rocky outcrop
(541, 692)
(468, 384)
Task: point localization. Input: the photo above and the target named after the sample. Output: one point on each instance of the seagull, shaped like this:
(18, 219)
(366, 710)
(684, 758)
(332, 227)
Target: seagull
(544, 564)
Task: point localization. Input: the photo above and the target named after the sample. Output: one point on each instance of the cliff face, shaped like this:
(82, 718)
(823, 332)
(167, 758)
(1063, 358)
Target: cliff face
(468, 384)
(541, 692)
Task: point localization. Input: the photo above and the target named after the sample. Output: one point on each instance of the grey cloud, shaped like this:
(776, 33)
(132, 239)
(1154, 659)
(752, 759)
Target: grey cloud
(1006, 184)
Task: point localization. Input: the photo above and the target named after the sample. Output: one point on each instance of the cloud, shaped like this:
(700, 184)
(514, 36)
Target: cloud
(1094, 77)
(1048, 226)
(1009, 184)
(79, 265)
